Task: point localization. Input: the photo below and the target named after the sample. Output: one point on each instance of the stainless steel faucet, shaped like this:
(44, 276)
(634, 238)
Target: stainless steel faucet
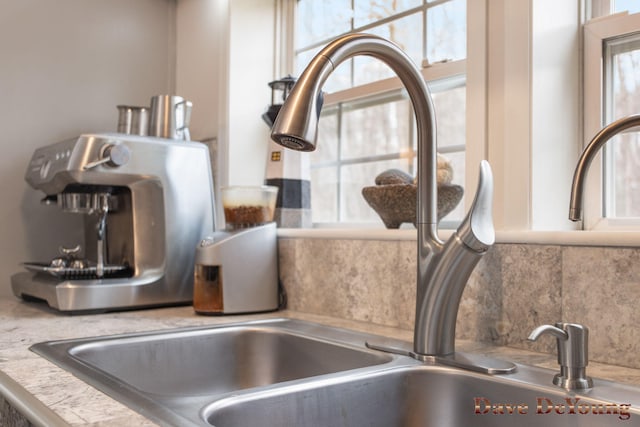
(443, 268)
(573, 358)
(598, 141)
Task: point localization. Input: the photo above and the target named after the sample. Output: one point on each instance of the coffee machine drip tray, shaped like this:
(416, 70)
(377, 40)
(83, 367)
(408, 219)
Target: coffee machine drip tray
(85, 273)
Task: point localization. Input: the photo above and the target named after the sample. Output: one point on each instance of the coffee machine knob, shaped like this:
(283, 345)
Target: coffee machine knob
(113, 155)
(119, 155)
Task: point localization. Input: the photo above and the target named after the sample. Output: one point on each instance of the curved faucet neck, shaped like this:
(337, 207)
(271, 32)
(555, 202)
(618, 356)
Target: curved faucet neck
(300, 115)
(594, 146)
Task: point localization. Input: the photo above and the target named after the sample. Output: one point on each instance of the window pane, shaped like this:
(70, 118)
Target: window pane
(600, 8)
(446, 31)
(406, 33)
(340, 79)
(327, 141)
(626, 178)
(353, 207)
(632, 6)
(626, 81)
(623, 152)
(368, 11)
(324, 194)
(375, 130)
(450, 116)
(319, 20)
(457, 162)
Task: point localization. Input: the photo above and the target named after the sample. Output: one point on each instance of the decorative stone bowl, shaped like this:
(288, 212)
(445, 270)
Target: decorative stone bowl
(396, 203)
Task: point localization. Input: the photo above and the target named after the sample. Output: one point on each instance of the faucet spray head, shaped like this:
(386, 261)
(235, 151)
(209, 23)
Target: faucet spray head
(296, 126)
(293, 142)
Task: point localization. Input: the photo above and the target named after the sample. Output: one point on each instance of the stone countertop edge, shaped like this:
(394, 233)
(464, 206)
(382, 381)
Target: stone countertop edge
(27, 404)
(48, 395)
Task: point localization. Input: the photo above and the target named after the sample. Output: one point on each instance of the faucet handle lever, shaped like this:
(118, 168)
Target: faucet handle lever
(573, 344)
(477, 231)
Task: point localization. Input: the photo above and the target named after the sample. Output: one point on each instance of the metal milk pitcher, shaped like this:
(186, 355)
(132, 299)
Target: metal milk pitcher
(133, 120)
(170, 116)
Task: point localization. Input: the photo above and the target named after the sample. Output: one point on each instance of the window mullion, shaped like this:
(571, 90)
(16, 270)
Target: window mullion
(339, 165)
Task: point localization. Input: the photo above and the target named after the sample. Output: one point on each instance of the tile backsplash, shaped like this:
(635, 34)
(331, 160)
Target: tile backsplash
(514, 288)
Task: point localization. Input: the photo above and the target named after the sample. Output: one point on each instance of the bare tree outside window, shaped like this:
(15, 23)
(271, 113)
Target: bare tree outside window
(623, 170)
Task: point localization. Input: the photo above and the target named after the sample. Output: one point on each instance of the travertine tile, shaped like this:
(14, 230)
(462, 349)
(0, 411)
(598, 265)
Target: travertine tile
(532, 287)
(601, 289)
(514, 288)
(481, 305)
(354, 279)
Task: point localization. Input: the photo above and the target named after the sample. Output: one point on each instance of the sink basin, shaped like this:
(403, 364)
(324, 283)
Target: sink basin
(173, 374)
(425, 396)
(215, 361)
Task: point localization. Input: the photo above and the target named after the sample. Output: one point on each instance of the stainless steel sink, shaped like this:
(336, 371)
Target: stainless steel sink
(171, 375)
(292, 373)
(428, 396)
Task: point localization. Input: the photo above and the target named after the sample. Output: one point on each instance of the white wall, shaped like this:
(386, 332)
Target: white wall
(556, 110)
(250, 65)
(525, 75)
(201, 32)
(225, 60)
(66, 64)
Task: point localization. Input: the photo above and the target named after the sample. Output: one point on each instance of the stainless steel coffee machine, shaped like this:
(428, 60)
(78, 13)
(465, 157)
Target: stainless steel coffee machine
(146, 204)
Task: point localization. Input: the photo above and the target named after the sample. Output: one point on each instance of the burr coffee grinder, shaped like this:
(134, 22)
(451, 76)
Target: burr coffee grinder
(236, 269)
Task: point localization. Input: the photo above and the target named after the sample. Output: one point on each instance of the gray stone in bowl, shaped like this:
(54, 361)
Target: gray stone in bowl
(394, 176)
(396, 203)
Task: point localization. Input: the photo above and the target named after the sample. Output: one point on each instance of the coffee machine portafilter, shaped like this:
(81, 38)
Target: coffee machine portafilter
(146, 204)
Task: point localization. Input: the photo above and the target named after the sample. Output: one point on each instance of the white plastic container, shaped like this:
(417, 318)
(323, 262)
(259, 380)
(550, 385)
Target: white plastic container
(248, 206)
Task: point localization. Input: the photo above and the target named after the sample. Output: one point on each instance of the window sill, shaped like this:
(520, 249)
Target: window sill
(572, 238)
(565, 238)
(347, 233)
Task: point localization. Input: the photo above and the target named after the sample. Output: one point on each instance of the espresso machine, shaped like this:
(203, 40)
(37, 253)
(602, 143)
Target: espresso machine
(146, 203)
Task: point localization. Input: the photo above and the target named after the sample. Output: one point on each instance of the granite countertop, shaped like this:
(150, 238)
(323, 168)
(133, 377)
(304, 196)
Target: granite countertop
(79, 404)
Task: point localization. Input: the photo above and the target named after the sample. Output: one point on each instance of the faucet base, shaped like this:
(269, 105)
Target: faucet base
(475, 362)
(584, 383)
(466, 361)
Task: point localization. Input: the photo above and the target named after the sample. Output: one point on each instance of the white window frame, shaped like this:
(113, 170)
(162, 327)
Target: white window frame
(433, 74)
(509, 118)
(503, 106)
(595, 33)
(525, 94)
